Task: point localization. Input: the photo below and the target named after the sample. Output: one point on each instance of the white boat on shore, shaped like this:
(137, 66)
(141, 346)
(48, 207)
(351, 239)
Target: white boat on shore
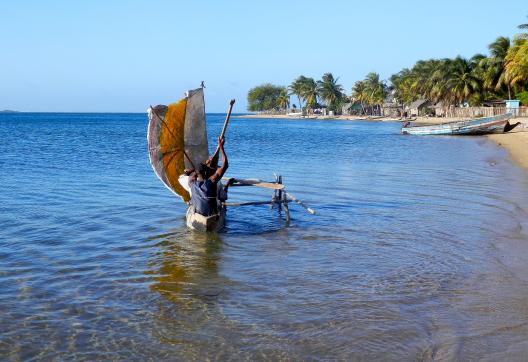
(479, 126)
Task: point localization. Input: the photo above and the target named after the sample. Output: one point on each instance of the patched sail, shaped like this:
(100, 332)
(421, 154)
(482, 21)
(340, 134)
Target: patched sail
(177, 139)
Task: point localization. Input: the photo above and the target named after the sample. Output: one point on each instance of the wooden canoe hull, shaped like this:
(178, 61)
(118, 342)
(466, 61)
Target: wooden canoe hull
(202, 223)
(472, 127)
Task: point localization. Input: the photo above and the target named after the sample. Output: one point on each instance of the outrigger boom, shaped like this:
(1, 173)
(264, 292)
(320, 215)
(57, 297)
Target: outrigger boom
(280, 196)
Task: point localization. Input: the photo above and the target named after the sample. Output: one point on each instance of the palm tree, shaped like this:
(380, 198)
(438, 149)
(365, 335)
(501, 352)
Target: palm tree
(360, 93)
(494, 76)
(437, 82)
(283, 100)
(309, 92)
(297, 88)
(376, 89)
(330, 91)
(424, 77)
(402, 84)
(462, 82)
(516, 63)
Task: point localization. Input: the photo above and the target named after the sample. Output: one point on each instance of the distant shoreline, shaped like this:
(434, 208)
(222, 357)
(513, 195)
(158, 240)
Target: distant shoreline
(316, 117)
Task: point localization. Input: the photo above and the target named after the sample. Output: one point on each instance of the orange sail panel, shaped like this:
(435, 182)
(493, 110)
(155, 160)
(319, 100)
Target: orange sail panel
(176, 132)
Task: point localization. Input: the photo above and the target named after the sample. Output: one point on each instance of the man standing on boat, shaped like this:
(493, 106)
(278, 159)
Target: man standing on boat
(204, 185)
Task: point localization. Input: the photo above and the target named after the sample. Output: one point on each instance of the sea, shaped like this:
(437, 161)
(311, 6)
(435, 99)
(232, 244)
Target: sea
(418, 249)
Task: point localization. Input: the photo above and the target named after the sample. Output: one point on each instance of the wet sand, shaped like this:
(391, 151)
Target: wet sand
(516, 142)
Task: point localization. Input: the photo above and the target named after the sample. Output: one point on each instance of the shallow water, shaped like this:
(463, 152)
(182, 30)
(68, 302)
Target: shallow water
(418, 251)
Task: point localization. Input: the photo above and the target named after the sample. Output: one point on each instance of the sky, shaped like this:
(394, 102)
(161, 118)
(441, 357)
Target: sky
(124, 55)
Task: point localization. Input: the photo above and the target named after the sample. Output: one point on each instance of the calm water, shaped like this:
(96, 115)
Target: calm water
(419, 250)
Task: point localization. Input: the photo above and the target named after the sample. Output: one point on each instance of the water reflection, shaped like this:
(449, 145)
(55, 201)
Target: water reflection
(186, 266)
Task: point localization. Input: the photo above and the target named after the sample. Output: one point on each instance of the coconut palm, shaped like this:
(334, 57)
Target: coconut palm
(330, 91)
(423, 76)
(297, 88)
(309, 92)
(461, 82)
(493, 74)
(283, 100)
(376, 89)
(402, 86)
(516, 63)
(371, 92)
(360, 93)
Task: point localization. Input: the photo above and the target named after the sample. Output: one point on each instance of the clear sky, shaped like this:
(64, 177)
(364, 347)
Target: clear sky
(123, 55)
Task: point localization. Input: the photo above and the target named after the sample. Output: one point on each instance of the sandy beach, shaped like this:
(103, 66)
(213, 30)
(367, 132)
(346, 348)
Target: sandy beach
(516, 143)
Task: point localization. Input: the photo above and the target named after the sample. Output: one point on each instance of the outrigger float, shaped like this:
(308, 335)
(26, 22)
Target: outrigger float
(177, 140)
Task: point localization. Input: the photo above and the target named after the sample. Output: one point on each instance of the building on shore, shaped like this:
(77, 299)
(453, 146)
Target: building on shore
(420, 107)
(440, 110)
(391, 109)
(351, 109)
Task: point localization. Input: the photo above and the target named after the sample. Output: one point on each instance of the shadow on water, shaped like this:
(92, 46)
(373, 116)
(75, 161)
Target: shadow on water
(254, 220)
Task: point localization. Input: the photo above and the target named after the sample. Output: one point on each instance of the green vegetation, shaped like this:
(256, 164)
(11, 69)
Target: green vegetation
(370, 93)
(330, 92)
(502, 74)
(267, 97)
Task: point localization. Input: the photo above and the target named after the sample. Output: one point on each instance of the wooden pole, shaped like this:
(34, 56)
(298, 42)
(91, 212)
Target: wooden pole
(231, 103)
(286, 208)
(310, 210)
(256, 183)
(249, 203)
(279, 181)
(214, 158)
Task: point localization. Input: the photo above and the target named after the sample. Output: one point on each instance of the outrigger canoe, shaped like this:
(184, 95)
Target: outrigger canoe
(177, 140)
(497, 124)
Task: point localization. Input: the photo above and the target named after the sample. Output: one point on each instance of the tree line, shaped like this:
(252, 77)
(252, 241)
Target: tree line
(308, 91)
(501, 74)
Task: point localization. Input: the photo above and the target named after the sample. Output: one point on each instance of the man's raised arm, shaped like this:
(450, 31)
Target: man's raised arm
(225, 163)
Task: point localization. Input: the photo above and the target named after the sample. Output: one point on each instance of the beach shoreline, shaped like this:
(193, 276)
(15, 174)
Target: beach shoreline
(515, 142)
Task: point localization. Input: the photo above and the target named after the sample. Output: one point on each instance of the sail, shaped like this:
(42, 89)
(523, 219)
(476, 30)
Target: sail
(177, 133)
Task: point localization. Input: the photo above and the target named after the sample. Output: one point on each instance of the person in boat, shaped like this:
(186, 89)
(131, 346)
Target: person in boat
(204, 185)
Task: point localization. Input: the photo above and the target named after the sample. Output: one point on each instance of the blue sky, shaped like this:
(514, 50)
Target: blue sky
(116, 55)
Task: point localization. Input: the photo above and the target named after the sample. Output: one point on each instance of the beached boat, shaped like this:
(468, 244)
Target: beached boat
(497, 124)
(177, 140)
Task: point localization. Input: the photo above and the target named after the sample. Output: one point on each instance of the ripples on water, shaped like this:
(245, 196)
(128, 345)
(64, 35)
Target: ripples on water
(418, 250)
